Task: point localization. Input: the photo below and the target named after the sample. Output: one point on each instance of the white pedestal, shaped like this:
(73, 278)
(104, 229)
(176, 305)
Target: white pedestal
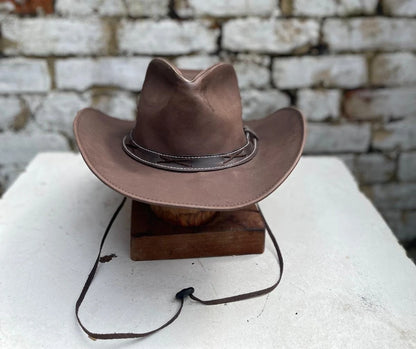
(347, 283)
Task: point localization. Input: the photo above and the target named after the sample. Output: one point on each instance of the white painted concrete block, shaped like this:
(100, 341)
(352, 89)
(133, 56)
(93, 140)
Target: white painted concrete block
(346, 281)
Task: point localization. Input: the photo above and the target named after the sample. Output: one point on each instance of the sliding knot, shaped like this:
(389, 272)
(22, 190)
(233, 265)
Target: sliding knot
(184, 293)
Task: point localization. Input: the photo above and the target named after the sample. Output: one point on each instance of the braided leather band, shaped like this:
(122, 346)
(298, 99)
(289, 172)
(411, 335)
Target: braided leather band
(185, 163)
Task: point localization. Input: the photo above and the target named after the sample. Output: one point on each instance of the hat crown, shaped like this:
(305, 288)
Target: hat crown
(189, 112)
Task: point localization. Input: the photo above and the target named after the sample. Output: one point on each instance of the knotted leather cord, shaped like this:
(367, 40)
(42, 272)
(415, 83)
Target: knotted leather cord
(179, 296)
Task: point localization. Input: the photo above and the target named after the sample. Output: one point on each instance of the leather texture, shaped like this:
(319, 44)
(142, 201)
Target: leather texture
(191, 113)
(191, 163)
(200, 116)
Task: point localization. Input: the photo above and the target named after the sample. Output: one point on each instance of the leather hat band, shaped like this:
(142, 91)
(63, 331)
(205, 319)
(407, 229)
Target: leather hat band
(192, 163)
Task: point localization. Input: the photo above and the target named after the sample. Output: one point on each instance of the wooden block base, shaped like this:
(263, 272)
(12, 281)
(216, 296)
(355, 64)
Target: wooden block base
(228, 233)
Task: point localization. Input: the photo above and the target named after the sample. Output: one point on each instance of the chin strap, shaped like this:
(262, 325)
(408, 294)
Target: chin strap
(180, 296)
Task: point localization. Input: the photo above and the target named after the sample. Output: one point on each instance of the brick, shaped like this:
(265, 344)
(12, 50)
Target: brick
(252, 71)
(402, 223)
(30, 7)
(407, 167)
(197, 62)
(32, 101)
(399, 7)
(112, 8)
(91, 7)
(374, 168)
(392, 69)
(77, 7)
(166, 37)
(54, 36)
(147, 8)
(319, 105)
(380, 103)
(58, 110)
(377, 33)
(393, 195)
(269, 35)
(398, 135)
(82, 73)
(258, 104)
(345, 71)
(10, 108)
(261, 60)
(20, 147)
(324, 138)
(133, 8)
(219, 8)
(325, 8)
(119, 104)
(19, 75)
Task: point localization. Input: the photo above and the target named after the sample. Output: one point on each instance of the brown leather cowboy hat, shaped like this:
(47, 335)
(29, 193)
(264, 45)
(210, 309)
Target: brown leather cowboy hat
(189, 146)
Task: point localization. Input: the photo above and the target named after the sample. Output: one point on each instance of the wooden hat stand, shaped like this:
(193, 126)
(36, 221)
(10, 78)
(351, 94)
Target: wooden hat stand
(159, 232)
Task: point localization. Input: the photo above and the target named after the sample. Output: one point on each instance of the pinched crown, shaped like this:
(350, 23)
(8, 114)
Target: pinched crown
(183, 112)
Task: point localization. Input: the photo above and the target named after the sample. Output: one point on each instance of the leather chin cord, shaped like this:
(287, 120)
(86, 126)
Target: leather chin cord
(180, 296)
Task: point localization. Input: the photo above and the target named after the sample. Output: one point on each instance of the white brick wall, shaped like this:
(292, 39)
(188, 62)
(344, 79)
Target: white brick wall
(55, 36)
(18, 75)
(400, 7)
(271, 35)
(64, 104)
(17, 148)
(407, 167)
(77, 7)
(325, 8)
(133, 8)
(324, 138)
(394, 69)
(147, 8)
(401, 221)
(230, 8)
(394, 195)
(374, 168)
(10, 107)
(119, 104)
(197, 62)
(350, 65)
(252, 71)
(345, 71)
(166, 37)
(381, 103)
(258, 104)
(82, 73)
(398, 135)
(378, 33)
(320, 104)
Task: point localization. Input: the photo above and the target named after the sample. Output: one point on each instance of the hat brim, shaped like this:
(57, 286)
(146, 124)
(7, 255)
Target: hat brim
(281, 138)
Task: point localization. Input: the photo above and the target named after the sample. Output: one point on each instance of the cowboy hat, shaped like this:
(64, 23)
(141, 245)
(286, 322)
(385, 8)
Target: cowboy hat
(189, 146)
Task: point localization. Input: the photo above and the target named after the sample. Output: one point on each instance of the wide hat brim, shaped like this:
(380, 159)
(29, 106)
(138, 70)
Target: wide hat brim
(281, 138)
